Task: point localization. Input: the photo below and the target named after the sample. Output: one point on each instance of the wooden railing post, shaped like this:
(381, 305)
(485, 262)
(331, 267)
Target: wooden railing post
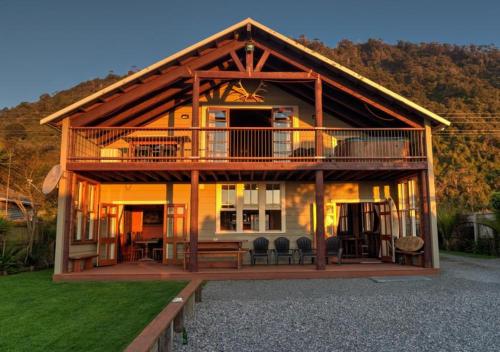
(193, 217)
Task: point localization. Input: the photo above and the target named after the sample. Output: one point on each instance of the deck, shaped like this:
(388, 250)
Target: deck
(156, 271)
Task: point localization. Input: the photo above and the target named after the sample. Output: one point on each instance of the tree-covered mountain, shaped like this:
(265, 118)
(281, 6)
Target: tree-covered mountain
(447, 79)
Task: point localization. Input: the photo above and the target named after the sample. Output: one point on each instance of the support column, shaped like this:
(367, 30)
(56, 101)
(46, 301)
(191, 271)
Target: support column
(320, 221)
(425, 218)
(64, 206)
(195, 117)
(195, 174)
(193, 222)
(431, 193)
(318, 102)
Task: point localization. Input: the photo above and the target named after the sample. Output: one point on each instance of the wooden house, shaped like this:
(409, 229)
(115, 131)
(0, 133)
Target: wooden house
(245, 134)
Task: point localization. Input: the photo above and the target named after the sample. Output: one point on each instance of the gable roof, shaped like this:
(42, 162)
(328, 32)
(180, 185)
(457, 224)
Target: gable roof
(58, 115)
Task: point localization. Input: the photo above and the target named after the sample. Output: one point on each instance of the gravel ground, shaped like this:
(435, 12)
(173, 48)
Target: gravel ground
(457, 311)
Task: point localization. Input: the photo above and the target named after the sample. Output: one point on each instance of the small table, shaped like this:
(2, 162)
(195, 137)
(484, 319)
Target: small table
(146, 243)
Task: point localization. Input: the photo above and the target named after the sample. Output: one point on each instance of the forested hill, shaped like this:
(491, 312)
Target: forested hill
(459, 82)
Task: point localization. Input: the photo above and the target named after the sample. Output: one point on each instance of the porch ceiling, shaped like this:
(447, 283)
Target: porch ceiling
(208, 176)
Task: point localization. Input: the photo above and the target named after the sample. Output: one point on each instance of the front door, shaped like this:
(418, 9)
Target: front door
(108, 235)
(174, 233)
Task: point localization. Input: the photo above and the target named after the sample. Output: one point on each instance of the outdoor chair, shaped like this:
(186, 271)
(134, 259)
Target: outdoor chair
(333, 248)
(260, 250)
(304, 246)
(282, 249)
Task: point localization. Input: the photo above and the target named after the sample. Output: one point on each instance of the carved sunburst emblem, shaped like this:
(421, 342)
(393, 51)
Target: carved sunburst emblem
(244, 95)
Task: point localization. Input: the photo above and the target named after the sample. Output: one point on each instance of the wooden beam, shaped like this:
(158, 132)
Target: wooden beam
(142, 90)
(305, 76)
(195, 113)
(262, 61)
(342, 87)
(249, 60)
(193, 222)
(318, 108)
(237, 61)
(320, 221)
(371, 102)
(118, 118)
(425, 222)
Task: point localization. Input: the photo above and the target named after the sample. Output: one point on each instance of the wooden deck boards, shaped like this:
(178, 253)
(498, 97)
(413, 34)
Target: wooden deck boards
(155, 271)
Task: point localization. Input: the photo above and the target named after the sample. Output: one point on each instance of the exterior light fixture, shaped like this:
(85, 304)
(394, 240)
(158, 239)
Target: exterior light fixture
(249, 47)
(184, 116)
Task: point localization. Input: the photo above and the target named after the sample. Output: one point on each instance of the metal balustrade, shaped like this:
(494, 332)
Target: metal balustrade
(258, 144)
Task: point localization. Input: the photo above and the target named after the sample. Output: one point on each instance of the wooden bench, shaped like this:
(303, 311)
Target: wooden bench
(223, 250)
(408, 248)
(235, 255)
(87, 259)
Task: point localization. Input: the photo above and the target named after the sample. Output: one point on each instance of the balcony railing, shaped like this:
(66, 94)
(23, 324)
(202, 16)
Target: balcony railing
(259, 144)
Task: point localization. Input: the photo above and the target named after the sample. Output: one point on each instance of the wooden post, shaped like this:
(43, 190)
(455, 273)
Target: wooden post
(425, 219)
(64, 205)
(193, 216)
(318, 102)
(195, 117)
(320, 221)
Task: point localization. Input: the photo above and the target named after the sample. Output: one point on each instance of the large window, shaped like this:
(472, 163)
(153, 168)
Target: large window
(282, 140)
(85, 212)
(409, 205)
(250, 207)
(228, 208)
(273, 207)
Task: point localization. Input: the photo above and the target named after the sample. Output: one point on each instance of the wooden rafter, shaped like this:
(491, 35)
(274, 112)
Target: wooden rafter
(161, 81)
(237, 61)
(341, 87)
(262, 61)
(297, 76)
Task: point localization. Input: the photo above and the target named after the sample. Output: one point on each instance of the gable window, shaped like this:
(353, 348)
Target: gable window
(85, 212)
(409, 204)
(253, 207)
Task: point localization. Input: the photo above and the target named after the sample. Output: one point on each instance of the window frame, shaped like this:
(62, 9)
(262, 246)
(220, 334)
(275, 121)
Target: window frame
(261, 207)
(80, 205)
(409, 199)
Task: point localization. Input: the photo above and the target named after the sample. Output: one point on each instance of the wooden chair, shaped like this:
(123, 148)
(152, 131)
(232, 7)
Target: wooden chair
(260, 250)
(282, 249)
(304, 245)
(158, 251)
(334, 249)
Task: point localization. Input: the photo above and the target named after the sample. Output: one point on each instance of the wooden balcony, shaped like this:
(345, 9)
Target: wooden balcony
(117, 154)
(246, 145)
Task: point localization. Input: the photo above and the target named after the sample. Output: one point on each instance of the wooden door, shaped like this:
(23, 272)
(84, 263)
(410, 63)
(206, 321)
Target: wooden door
(174, 233)
(108, 235)
(386, 233)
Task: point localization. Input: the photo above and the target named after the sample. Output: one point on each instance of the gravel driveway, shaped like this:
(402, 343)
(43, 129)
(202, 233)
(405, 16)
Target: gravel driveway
(457, 311)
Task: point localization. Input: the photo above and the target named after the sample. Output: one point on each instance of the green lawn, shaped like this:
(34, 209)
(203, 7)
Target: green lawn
(39, 315)
(471, 255)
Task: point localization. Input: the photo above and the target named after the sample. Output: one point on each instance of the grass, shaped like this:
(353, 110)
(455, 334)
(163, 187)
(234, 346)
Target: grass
(37, 314)
(470, 255)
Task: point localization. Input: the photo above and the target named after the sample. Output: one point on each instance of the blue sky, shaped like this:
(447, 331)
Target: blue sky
(51, 45)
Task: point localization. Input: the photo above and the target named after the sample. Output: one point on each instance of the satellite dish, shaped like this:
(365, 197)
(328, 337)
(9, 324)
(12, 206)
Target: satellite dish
(52, 179)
